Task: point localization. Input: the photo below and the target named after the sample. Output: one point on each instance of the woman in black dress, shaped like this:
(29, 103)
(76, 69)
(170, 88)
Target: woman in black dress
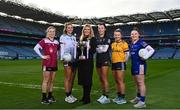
(86, 50)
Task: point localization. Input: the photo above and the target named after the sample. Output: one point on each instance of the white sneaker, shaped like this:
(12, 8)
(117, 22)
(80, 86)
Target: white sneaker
(115, 99)
(104, 100)
(135, 100)
(74, 98)
(102, 96)
(119, 100)
(140, 104)
(69, 99)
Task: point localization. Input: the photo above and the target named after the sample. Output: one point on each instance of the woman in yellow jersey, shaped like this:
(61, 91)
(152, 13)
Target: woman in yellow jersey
(120, 54)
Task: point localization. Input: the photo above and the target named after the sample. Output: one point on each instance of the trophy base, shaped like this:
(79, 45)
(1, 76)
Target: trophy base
(82, 57)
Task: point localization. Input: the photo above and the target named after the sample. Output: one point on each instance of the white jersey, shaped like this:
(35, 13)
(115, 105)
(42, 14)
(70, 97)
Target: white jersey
(68, 45)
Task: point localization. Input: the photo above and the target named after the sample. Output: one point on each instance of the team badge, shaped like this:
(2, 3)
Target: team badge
(109, 41)
(50, 50)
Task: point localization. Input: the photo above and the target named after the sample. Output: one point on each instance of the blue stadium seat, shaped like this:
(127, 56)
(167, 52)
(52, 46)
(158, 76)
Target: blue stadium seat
(177, 54)
(164, 53)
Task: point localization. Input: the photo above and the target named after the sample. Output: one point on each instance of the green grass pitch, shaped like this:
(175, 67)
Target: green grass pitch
(20, 87)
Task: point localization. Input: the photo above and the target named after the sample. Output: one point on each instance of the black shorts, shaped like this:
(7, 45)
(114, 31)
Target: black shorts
(119, 66)
(44, 68)
(72, 64)
(101, 64)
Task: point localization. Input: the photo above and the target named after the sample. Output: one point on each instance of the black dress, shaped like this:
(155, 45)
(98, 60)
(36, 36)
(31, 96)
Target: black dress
(85, 67)
(85, 70)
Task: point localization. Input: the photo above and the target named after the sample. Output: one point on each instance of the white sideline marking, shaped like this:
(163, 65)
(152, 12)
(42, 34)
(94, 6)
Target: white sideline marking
(29, 86)
(33, 86)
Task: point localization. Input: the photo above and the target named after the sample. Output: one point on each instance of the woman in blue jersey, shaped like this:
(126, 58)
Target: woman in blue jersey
(138, 67)
(103, 43)
(68, 45)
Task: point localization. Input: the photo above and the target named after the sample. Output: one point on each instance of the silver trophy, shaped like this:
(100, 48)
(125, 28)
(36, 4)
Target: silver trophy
(82, 45)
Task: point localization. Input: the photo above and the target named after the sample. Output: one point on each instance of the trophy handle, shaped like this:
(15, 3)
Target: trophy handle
(82, 53)
(87, 44)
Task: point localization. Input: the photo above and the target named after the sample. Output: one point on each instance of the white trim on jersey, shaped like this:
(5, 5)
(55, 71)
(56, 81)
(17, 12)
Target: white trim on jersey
(102, 48)
(75, 50)
(46, 40)
(61, 51)
(127, 56)
(44, 68)
(123, 66)
(37, 50)
(141, 69)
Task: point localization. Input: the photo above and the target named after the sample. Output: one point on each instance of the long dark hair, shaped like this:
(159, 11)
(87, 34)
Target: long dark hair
(104, 27)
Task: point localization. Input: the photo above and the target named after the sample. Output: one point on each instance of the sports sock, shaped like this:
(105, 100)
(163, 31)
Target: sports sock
(68, 94)
(43, 95)
(49, 94)
(138, 95)
(123, 96)
(105, 94)
(142, 98)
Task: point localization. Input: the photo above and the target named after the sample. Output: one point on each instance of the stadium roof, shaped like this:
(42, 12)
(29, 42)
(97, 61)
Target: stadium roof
(16, 9)
(153, 16)
(12, 8)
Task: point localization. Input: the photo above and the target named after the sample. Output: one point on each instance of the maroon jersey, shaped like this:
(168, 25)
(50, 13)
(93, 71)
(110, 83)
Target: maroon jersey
(50, 48)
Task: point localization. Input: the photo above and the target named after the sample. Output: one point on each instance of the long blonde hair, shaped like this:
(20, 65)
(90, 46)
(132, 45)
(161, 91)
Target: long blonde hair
(65, 27)
(50, 27)
(91, 32)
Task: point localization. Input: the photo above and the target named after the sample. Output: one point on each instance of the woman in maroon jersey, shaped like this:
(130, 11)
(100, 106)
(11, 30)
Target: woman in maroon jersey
(49, 47)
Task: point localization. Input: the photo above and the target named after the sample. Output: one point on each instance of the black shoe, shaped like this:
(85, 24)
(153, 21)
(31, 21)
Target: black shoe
(82, 99)
(51, 99)
(86, 102)
(45, 101)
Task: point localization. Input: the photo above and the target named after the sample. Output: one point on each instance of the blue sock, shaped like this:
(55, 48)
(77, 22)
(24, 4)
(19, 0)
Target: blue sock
(142, 98)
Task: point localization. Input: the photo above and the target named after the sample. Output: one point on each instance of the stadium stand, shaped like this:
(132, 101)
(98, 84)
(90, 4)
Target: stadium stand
(177, 54)
(20, 26)
(6, 53)
(14, 52)
(18, 36)
(164, 53)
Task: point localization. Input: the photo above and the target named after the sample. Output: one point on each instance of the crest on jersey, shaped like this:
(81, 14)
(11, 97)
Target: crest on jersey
(144, 44)
(50, 50)
(109, 41)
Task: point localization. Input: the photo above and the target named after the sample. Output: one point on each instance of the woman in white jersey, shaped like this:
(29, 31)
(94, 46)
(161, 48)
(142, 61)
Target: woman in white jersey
(68, 45)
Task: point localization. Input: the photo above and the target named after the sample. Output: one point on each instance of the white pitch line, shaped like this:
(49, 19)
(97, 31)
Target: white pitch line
(29, 86)
(34, 86)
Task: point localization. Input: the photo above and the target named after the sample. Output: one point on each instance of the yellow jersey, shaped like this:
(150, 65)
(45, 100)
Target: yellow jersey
(118, 51)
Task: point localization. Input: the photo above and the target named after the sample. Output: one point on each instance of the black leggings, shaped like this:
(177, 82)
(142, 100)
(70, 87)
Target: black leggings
(86, 93)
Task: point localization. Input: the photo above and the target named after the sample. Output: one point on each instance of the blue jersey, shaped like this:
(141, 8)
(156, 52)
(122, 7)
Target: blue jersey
(137, 62)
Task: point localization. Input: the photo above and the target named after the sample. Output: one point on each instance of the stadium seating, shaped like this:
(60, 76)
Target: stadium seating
(11, 52)
(164, 53)
(20, 26)
(17, 40)
(170, 28)
(177, 54)
(7, 52)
